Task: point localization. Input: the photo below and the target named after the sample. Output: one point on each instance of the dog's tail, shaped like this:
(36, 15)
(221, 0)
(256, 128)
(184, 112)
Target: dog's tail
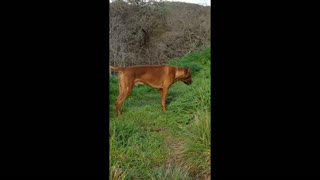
(120, 69)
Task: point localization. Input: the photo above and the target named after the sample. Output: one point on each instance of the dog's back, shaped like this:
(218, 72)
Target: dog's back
(148, 69)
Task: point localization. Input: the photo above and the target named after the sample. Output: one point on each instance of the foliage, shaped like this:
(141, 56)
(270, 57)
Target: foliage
(146, 143)
(152, 32)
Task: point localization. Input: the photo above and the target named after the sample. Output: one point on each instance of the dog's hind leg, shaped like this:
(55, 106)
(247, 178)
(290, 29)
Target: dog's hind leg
(125, 89)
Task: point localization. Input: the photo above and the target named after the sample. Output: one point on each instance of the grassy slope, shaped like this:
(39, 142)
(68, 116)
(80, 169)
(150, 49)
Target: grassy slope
(146, 143)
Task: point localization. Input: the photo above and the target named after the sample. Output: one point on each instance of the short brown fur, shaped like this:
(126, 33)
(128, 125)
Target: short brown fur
(160, 77)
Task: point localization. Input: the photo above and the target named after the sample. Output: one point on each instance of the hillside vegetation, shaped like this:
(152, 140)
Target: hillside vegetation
(151, 32)
(146, 143)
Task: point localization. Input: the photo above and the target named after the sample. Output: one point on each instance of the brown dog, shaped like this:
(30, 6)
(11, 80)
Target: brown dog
(159, 77)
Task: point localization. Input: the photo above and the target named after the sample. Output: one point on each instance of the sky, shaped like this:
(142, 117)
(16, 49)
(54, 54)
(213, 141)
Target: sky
(201, 2)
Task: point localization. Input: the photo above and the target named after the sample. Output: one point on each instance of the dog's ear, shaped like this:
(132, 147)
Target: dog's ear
(186, 71)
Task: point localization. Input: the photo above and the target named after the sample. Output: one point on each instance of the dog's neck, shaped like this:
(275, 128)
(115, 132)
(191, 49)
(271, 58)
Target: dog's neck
(178, 73)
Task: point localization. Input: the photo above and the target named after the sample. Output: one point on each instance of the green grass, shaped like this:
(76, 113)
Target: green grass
(146, 143)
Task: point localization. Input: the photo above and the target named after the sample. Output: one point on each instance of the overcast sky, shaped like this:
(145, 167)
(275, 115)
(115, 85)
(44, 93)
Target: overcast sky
(201, 2)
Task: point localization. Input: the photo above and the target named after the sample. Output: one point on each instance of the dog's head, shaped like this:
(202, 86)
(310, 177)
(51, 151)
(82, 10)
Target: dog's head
(186, 78)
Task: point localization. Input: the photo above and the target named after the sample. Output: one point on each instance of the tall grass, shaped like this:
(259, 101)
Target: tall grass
(146, 143)
(196, 151)
(170, 171)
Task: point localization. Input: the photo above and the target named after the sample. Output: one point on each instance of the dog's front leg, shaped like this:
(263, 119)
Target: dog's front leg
(163, 92)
